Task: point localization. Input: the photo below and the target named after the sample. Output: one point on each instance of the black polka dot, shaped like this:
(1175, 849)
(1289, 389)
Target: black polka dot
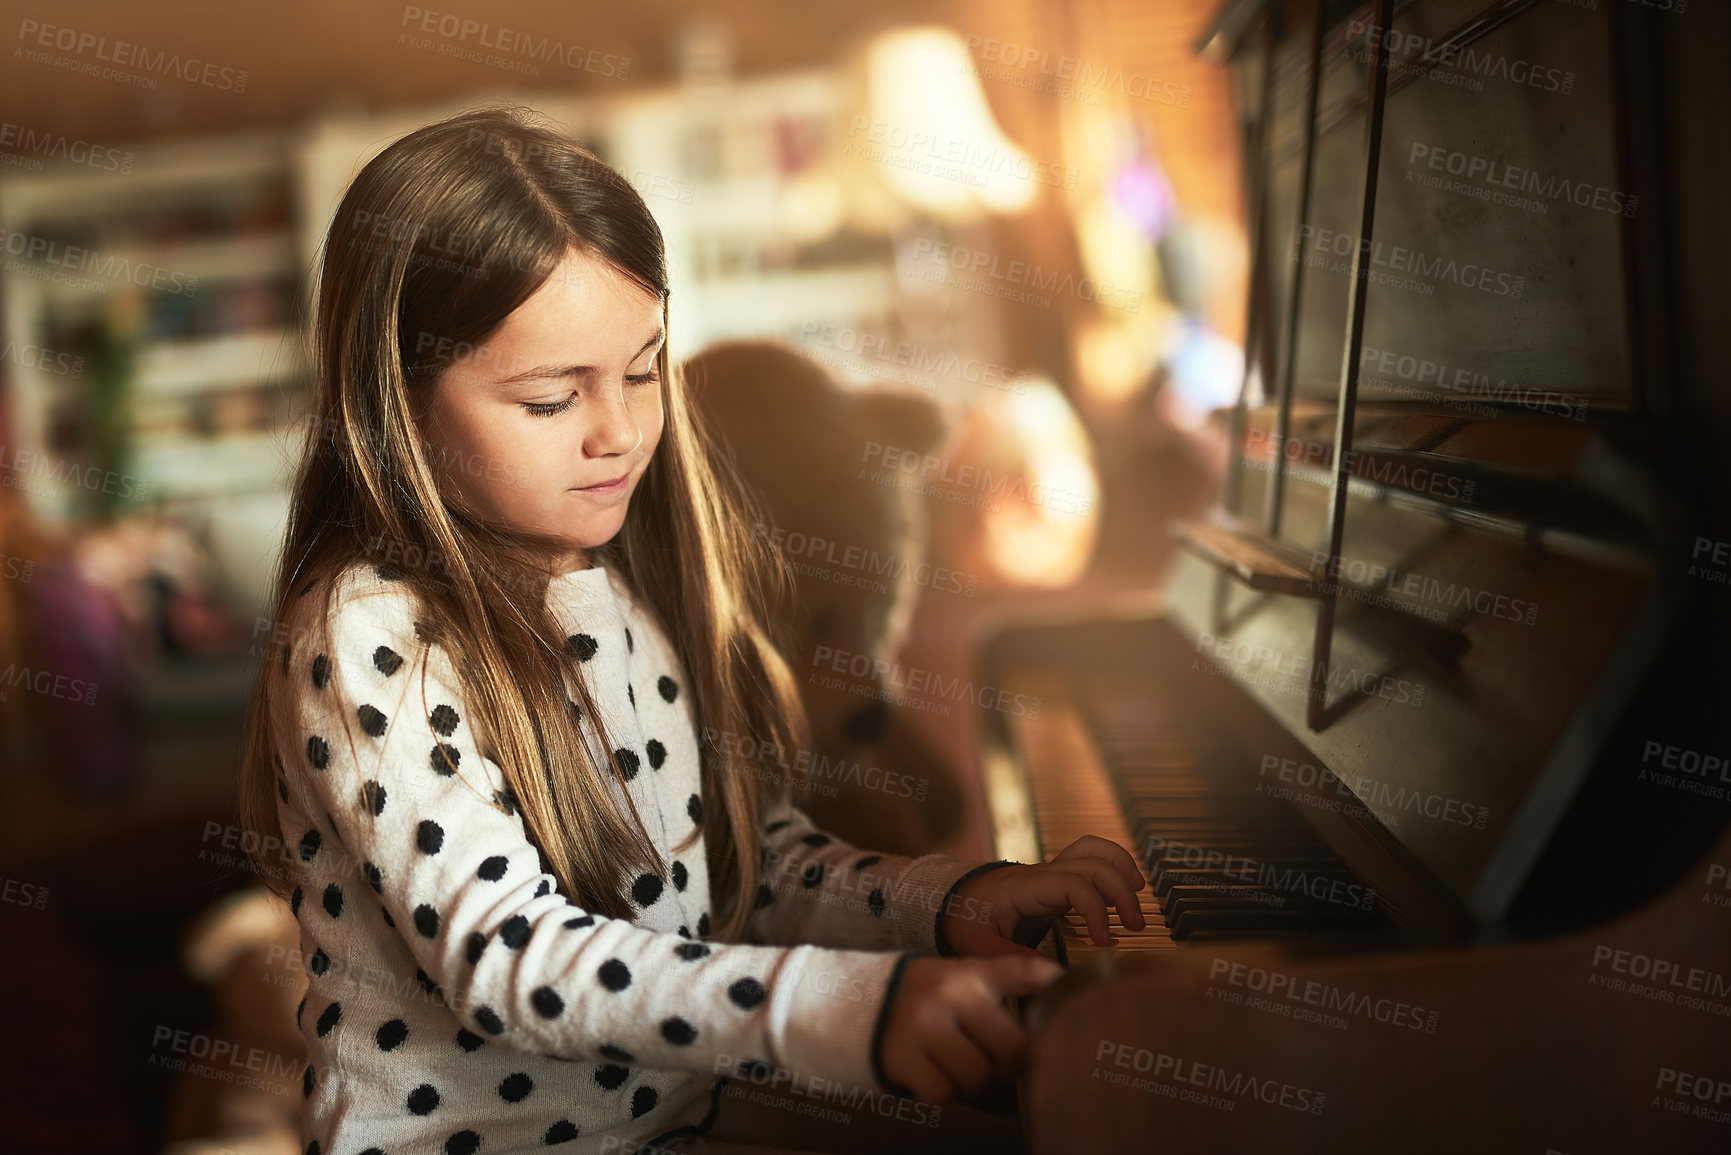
(318, 752)
(657, 753)
(390, 1035)
(746, 993)
(444, 759)
(580, 922)
(427, 921)
(668, 687)
(703, 925)
(813, 875)
(426, 981)
(372, 721)
(463, 1143)
(386, 915)
(614, 975)
(678, 1032)
(477, 943)
(328, 1020)
(515, 932)
(301, 1006)
(561, 1132)
(643, 1101)
(581, 646)
(321, 672)
(875, 900)
(515, 1088)
(310, 844)
(333, 900)
(680, 876)
(816, 840)
(646, 889)
(493, 869)
(543, 888)
(429, 836)
(628, 762)
(547, 1002)
(312, 1148)
(307, 1078)
(319, 963)
(631, 694)
(684, 931)
(387, 661)
(490, 1020)
(765, 896)
(373, 796)
(388, 573)
(506, 797)
(575, 711)
(630, 646)
(611, 1077)
(469, 1040)
(375, 879)
(779, 824)
(617, 1054)
(868, 860)
(694, 807)
(423, 1099)
(443, 720)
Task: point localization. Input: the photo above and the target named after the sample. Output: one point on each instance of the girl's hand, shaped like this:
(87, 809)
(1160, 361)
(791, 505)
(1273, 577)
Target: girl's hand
(949, 1031)
(994, 912)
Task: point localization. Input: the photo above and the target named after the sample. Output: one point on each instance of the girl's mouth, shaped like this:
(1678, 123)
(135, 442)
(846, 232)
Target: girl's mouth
(606, 488)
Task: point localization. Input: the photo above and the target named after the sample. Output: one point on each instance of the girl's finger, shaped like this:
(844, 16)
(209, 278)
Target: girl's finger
(1059, 889)
(1111, 884)
(1093, 846)
(961, 1059)
(1019, 975)
(927, 1081)
(995, 1031)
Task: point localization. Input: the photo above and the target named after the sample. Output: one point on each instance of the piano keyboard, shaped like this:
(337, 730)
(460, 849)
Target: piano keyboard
(1222, 859)
(1080, 801)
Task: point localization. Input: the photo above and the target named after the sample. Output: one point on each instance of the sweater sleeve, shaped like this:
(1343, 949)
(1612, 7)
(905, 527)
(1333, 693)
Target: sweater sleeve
(400, 809)
(819, 889)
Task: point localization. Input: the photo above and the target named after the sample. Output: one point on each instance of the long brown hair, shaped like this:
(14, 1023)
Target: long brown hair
(437, 240)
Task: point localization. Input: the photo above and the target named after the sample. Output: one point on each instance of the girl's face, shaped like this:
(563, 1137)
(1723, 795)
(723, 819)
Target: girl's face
(549, 424)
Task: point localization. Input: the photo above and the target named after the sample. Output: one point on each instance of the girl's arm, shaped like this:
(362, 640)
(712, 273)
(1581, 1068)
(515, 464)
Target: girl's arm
(392, 842)
(819, 889)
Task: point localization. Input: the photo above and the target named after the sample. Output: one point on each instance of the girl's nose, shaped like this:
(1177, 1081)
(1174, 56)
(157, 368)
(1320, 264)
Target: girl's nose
(616, 431)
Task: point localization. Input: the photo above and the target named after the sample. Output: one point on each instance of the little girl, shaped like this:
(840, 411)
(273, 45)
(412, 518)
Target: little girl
(517, 584)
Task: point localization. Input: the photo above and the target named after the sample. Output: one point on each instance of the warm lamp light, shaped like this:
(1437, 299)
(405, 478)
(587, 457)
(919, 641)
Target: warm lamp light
(931, 133)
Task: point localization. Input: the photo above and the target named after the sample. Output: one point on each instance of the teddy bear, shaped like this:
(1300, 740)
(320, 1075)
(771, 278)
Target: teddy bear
(799, 440)
(237, 1090)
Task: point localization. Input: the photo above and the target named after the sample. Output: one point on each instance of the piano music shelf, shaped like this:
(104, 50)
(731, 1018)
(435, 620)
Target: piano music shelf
(1260, 562)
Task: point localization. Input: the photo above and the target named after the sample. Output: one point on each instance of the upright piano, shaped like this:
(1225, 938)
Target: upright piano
(1423, 742)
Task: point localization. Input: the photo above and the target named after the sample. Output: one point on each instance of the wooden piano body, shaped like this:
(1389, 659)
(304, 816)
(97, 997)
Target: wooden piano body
(1425, 738)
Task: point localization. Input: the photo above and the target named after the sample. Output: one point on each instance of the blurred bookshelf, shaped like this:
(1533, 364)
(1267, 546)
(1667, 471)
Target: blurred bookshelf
(163, 301)
(755, 224)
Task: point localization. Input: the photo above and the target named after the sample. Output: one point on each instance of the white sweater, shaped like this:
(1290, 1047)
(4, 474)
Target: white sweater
(459, 1002)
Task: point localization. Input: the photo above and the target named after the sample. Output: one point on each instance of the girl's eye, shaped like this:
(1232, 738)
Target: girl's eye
(648, 378)
(549, 408)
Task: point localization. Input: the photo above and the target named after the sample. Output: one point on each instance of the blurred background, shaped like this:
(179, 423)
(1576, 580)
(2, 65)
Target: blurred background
(1008, 234)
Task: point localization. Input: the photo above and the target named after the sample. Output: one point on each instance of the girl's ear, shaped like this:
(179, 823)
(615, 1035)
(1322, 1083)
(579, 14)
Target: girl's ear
(910, 421)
